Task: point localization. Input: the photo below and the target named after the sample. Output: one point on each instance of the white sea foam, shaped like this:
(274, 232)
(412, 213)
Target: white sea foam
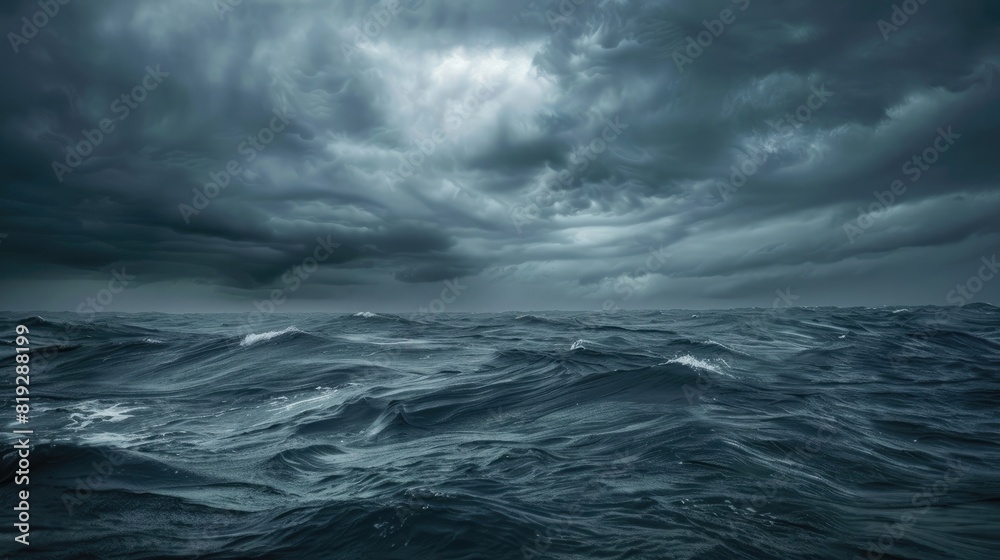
(254, 338)
(366, 314)
(579, 344)
(696, 363)
(901, 311)
(88, 412)
(110, 439)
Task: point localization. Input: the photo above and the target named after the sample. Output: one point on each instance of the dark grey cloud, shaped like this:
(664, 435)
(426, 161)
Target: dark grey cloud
(542, 152)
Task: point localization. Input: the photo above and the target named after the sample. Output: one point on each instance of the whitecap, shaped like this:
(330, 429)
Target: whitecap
(88, 412)
(579, 344)
(254, 338)
(695, 363)
(365, 314)
(901, 311)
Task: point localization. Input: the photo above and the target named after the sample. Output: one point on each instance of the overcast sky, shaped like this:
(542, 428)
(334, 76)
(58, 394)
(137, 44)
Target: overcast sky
(575, 156)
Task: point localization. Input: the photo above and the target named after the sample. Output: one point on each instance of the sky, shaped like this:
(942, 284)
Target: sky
(436, 156)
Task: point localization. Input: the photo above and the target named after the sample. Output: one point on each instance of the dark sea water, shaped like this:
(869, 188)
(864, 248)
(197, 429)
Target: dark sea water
(803, 433)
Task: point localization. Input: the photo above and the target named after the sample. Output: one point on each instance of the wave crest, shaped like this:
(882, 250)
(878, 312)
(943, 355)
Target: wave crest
(696, 363)
(254, 338)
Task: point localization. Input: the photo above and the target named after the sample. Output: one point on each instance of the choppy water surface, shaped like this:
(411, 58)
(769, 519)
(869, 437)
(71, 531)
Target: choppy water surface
(807, 433)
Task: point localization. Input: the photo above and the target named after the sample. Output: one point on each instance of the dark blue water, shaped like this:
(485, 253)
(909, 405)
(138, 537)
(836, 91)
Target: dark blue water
(804, 433)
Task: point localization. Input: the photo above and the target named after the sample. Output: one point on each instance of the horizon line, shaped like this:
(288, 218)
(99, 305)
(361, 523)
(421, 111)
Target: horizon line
(600, 311)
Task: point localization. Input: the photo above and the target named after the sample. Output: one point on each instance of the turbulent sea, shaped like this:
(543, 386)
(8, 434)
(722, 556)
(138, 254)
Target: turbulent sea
(801, 433)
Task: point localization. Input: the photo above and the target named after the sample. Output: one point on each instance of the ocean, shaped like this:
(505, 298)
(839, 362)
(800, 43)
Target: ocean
(754, 433)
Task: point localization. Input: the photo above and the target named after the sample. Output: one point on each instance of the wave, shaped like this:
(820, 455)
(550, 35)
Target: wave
(546, 434)
(984, 305)
(579, 344)
(539, 320)
(49, 351)
(84, 414)
(309, 459)
(697, 363)
(39, 321)
(389, 318)
(254, 338)
(727, 348)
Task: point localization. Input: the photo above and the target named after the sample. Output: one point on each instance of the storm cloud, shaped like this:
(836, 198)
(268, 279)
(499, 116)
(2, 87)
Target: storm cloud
(573, 154)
